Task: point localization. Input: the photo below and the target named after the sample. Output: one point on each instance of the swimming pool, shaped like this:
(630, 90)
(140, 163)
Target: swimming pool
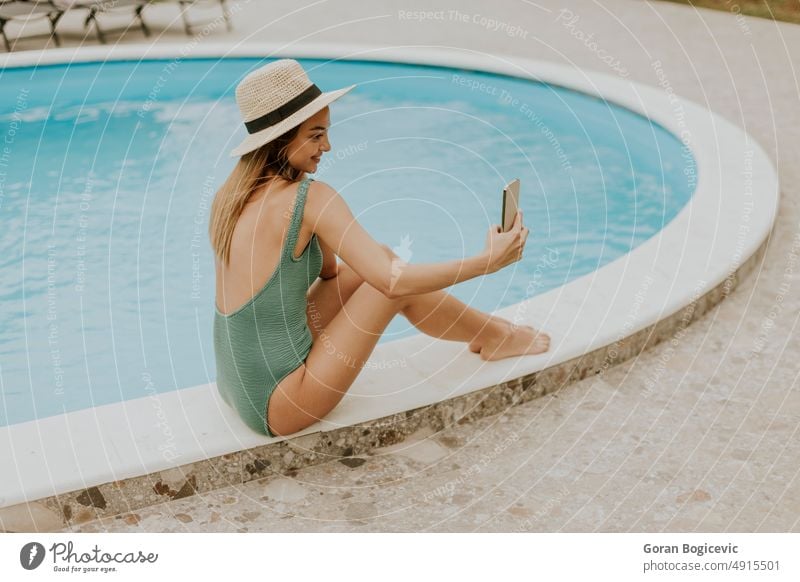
(109, 170)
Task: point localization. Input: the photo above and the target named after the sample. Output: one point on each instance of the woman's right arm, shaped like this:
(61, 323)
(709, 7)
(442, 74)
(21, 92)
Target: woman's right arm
(335, 224)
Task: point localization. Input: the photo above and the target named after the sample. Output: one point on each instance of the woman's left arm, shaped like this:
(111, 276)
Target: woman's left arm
(330, 267)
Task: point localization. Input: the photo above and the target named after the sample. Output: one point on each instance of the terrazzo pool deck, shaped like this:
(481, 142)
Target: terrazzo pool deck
(711, 446)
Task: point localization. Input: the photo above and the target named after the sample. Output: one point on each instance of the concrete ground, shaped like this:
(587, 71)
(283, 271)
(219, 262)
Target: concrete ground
(713, 447)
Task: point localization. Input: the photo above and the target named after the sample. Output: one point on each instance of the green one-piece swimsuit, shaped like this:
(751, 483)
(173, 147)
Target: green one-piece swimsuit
(267, 338)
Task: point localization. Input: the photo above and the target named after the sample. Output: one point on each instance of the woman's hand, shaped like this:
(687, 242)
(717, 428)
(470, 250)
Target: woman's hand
(504, 248)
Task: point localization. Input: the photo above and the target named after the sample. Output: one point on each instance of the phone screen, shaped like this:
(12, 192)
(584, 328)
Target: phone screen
(510, 204)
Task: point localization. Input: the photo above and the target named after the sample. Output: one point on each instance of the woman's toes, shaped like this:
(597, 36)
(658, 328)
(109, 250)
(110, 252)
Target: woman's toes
(535, 341)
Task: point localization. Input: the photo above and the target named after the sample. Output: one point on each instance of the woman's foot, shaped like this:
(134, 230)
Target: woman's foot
(524, 340)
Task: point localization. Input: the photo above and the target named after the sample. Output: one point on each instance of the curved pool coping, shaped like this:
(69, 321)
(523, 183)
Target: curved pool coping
(77, 469)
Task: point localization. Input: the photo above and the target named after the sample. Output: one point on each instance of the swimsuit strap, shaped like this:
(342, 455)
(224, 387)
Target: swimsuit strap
(297, 217)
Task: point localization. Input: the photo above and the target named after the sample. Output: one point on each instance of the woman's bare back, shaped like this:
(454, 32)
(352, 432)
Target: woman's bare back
(256, 245)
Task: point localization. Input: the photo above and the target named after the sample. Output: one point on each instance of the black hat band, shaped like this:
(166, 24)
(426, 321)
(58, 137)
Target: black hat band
(284, 111)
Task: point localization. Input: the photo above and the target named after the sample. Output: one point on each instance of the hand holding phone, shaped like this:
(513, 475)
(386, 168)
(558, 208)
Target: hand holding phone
(504, 248)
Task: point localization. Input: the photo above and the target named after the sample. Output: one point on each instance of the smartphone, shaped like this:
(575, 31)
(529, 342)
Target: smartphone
(510, 204)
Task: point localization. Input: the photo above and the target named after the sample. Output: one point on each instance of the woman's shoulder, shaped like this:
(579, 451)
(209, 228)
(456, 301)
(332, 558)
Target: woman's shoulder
(322, 197)
(321, 189)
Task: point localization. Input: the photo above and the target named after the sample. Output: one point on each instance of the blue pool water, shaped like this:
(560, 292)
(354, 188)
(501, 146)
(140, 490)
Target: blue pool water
(107, 172)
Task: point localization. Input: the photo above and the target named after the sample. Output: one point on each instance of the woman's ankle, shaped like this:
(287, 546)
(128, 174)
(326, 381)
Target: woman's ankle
(495, 331)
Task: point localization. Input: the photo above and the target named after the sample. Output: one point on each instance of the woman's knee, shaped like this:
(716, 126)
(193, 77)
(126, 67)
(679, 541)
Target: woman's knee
(397, 303)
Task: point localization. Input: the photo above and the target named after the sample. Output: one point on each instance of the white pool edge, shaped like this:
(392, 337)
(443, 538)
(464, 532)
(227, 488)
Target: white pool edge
(80, 449)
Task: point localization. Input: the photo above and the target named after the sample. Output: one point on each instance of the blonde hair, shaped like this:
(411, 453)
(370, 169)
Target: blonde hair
(251, 171)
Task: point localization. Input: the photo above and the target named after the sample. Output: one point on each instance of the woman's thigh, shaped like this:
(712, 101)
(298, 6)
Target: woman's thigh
(335, 360)
(326, 297)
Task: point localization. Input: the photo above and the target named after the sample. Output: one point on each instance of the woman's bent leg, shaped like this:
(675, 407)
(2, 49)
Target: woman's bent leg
(341, 349)
(335, 360)
(441, 315)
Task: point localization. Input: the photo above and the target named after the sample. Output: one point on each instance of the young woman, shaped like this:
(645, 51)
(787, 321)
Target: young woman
(293, 327)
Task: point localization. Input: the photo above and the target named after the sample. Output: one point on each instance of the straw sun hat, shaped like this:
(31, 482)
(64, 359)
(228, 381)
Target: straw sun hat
(275, 98)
